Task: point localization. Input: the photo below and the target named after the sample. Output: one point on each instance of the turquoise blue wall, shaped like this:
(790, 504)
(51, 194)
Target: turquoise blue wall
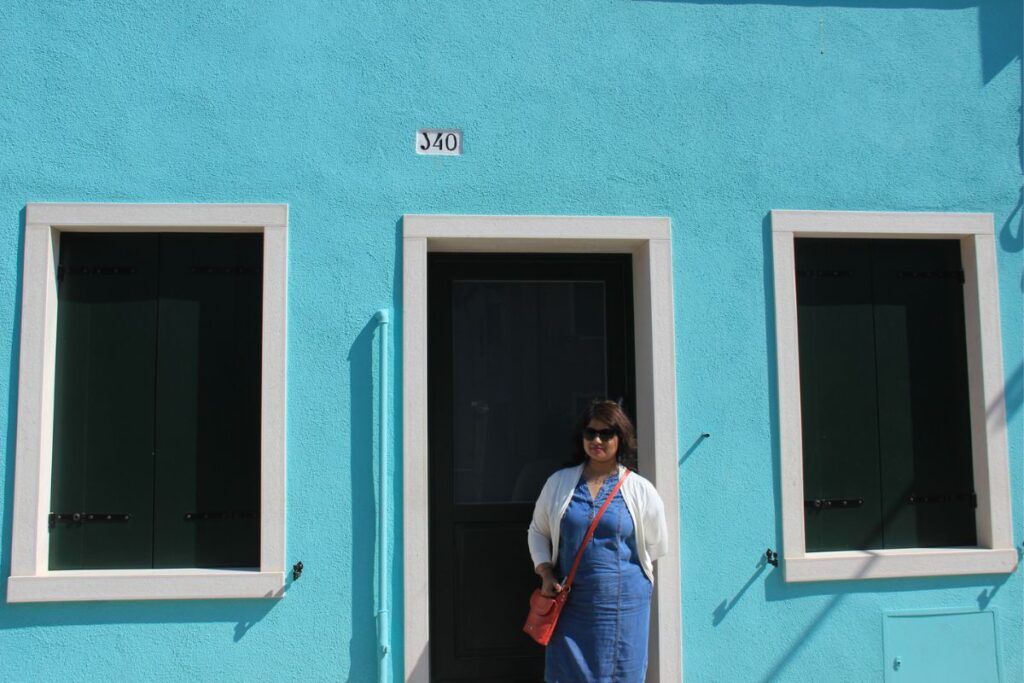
(710, 113)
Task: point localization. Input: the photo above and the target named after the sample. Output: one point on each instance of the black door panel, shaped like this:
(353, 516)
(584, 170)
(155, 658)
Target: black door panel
(518, 344)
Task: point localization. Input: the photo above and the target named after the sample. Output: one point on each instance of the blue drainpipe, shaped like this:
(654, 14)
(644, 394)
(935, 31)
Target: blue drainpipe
(383, 511)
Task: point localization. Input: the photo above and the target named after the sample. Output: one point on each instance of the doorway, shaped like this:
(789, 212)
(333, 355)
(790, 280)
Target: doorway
(648, 241)
(518, 345)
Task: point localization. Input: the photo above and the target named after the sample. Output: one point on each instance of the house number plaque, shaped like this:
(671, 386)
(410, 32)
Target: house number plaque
(443, 141)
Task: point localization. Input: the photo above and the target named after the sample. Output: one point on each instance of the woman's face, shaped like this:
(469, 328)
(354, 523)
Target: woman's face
(600, 442)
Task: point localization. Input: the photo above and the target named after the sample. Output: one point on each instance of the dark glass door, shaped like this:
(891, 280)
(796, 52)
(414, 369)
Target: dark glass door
(518, 344)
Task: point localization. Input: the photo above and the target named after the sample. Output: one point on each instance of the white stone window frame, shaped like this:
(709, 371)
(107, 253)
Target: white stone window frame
(649, 241)
(994, 553)
(31, 579)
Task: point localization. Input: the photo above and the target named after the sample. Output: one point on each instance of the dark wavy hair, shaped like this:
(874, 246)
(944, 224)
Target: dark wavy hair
(612, 415)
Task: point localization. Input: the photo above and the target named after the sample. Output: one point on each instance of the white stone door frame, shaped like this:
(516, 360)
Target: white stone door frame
(649, 241)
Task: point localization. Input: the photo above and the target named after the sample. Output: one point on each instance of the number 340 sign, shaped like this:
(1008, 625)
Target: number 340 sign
(444, 141)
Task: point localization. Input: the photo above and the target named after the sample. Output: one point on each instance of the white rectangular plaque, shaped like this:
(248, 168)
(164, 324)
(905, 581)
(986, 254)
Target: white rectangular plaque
(444, 141)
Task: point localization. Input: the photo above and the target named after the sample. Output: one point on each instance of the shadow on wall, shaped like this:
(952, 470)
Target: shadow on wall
(689, 451)
(245, 613)
(999, 21)
(771, 362)
(1007, 239)
(1014, 242)
(1013, 394)
(776, 589)
(365, 656)
(12, 422)
(363, 645)
(726, 605)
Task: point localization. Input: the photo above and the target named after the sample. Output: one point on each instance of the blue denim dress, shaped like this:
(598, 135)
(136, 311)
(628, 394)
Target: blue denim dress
(602, 634)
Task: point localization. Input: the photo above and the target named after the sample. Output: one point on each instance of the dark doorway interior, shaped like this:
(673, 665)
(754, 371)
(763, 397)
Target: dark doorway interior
(518, 344)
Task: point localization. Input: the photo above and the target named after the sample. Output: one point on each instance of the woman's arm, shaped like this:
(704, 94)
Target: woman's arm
(655, 526)
(550, 585)
(539, 535)
(539, 540)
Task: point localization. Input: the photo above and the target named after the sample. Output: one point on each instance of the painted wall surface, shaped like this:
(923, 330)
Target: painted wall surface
(710, 113)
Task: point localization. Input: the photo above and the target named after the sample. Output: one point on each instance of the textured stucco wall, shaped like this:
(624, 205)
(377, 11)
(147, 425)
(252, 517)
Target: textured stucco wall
(711, 114)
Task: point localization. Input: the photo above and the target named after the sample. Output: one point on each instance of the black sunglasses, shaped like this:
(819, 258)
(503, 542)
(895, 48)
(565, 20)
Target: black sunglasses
(589, 433)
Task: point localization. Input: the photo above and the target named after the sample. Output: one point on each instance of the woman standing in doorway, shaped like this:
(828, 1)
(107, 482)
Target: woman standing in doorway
(602, 632)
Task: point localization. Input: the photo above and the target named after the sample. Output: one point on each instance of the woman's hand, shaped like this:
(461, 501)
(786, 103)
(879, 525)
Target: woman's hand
(550, 587)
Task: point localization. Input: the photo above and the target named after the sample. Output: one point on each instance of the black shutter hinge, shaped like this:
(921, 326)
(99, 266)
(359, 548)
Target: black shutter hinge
(932, 275)
(231, 514)
(830, 503)
(224, 270)
(943, 498)
(823, 273)
(80, 517)
(96, 270)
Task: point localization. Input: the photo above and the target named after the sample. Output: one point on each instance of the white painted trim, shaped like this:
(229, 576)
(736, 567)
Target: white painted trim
(622, 229)
(649, 242)
(415, 472)
(995, 552)
(900, 224)
(886, 564)
(273, 419)
(30, 579)
(186, 217)
(152, 584)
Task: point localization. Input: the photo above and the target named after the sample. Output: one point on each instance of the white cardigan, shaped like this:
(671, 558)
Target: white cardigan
(642, 501)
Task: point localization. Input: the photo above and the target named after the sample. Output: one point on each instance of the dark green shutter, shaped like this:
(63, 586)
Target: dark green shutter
(884, 396)
(103, 401)
(838, 395)
(927, 474)
(208, 401)
(157, 401)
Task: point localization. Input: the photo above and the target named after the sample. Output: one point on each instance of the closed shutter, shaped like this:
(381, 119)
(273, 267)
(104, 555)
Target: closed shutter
(208, 401)
(157, 401)
(884, 399)
(103, 402)
(838, 395)
(927, 474)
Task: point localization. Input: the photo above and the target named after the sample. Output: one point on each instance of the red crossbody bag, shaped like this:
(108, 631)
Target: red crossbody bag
(544, 611)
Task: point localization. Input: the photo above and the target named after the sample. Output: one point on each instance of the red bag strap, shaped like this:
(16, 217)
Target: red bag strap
(590, 531)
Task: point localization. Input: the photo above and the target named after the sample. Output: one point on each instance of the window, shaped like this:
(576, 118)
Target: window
(883, 387)
(150, 455)
(892, 425)
(156, 401)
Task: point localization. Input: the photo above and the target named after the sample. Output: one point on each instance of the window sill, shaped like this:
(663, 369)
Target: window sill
(140, 584)
(904, 562)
